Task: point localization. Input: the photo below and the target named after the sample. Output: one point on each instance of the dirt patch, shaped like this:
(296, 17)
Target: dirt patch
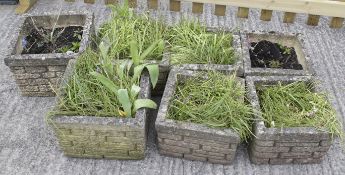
(265, 54)
(60, 40)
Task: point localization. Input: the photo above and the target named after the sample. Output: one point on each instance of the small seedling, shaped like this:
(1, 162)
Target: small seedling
(275, 64)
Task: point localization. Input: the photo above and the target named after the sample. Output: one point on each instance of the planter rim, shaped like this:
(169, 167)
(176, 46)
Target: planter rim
(138, 121)
(162, 121)
(53, 58)
(259, 124)
(252, 71)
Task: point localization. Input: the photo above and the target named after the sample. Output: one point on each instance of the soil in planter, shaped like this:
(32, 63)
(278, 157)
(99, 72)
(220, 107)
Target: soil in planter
(266, 54)
(63, 40)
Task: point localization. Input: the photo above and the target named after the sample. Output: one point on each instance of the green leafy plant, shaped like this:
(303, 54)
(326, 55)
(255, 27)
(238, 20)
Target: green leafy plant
(216, 101)
(125, 26)
(128, 97)
(285, 49)
(191, 43)
(296, 105)
(275, 64)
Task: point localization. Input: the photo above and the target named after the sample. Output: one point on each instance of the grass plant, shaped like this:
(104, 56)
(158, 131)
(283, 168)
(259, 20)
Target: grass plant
(296, 105)
(217, 101)
(191, 43)
(125, 26)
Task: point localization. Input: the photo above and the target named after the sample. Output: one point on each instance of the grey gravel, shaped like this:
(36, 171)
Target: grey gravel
(28, 146)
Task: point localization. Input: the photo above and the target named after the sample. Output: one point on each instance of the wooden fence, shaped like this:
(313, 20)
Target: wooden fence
(314, 8)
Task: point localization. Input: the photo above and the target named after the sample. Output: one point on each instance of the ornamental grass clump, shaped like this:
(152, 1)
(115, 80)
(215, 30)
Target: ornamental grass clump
(191, 43)
(125, 25)
(216, 101)
(296, 105)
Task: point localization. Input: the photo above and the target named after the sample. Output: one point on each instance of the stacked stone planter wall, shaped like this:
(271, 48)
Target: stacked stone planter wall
(103, 137)
(39, 74)
(291, 40)
(189, 140)
(284, 145)
(236, 43)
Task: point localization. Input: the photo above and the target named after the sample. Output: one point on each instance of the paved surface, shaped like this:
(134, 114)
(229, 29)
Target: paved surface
(28, 146)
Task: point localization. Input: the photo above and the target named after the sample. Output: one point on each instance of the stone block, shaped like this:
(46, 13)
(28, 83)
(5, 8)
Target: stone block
(194, 157)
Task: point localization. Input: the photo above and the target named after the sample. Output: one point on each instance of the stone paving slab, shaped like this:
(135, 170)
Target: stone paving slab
(28, 146)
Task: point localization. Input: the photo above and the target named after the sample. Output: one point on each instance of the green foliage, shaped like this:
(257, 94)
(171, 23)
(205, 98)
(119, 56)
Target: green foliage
(275, 64)
(217, 101)
(126, 26)
(295, 105)
(190, 43)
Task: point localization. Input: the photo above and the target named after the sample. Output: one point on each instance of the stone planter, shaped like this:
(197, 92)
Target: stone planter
(218, 67)
(284, 145)
(103, 137)
(39, 74)
(290, 40)
(190, 140)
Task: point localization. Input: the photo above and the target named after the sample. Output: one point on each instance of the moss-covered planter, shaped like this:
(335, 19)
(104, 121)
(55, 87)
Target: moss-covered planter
(190, 140)
(291, 40)
(39, 74)
(236, 44)
(103, 137)
(284, 145)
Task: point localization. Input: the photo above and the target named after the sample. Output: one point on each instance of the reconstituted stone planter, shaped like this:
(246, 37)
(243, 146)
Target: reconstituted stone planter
(39, 74)
(103, 137)
(284, 145)
(291, 40)
(236, 43)
(190, 140)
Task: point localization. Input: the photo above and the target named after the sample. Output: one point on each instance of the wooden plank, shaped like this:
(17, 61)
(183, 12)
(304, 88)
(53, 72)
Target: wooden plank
(110, 1)
(220, 10)
(336, 22)
(89, 1)
(242, 12)
(132, 3)
(197, 7)
(289, 17)
(316, 7)
(175, 5)
(24, 6)
(313, 20)
(153, 4)
(266, 15)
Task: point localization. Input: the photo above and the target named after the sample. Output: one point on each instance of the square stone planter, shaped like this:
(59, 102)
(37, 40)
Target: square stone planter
(39, 74)
(236, 43)
(290, 40)
(190, 140)
(103, 137)
(283, 145)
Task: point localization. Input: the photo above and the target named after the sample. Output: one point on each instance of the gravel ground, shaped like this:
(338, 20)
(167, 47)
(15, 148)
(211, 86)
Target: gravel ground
(28, 146)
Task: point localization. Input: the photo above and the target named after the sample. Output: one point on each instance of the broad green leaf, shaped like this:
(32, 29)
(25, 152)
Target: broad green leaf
(104, 48)
(121, 69)
(151, 48)
(135, 91)
(144, 103)
(154, 73)
(123, 97)
(138, 70)
(134, 52)
(105, 81)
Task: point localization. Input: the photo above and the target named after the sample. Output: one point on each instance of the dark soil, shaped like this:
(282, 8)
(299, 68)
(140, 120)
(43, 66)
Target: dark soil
(266, 54)
(63, 40)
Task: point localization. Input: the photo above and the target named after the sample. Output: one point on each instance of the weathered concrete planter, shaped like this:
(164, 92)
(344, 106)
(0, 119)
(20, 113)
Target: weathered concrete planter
(291, 40)
(284, 145)
(103, 137)
(39, 74)
(218, 67)
(189, 140)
